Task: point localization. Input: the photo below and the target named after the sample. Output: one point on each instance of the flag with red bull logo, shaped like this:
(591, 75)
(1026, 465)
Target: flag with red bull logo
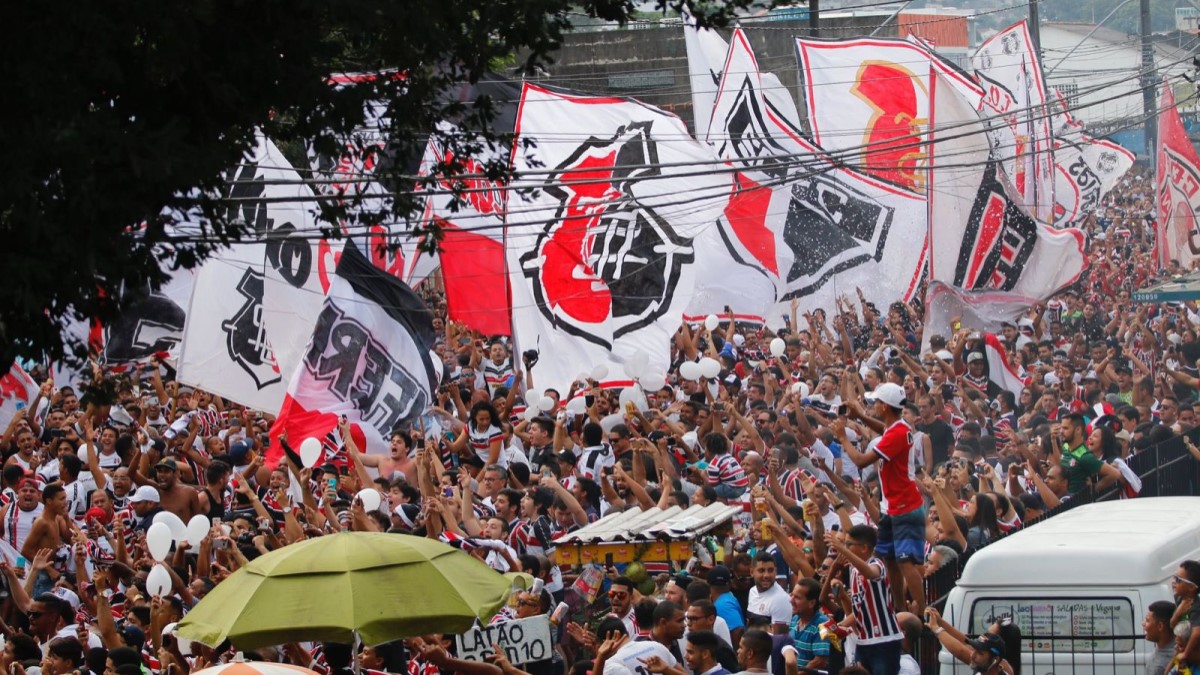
(610, 197)
(868, 103)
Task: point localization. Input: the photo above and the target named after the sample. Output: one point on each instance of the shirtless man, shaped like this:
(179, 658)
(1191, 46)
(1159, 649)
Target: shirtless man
(180, 499)
(17, 519)
(396, 459)
(50, 531)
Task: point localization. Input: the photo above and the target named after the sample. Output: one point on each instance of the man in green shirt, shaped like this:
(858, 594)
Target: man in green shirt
(1079, 461)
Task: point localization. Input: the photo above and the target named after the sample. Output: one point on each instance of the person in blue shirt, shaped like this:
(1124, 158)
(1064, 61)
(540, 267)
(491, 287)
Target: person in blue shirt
(805, 628)
(728, 607)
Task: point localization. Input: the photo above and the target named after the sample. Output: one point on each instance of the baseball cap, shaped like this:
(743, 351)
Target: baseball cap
(167, 463)
(890, 393)
(134, 636)
(719, 576)
(974, 356)
(239, 450)
(408, 514)
(145, 493)
(67, 595)
(97, 514)
(988, 642)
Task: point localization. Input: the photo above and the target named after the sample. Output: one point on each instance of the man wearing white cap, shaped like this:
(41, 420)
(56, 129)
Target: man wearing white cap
(902, 524)
(145, 505)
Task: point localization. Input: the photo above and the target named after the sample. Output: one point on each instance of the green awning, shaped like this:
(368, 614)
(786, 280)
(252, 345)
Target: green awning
(1176, 289)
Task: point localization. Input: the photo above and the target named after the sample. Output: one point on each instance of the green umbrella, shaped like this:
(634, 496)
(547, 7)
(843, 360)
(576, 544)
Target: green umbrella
(368, 585)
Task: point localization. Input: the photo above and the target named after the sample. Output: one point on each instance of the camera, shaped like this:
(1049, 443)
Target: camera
(530, 357)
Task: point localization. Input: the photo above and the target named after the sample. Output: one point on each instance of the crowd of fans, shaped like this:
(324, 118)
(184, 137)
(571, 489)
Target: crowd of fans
(864, 464)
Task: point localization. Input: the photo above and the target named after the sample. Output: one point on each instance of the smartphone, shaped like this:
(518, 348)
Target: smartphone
(332, 482)
(20, 405)
(841, 410)
(447, 491)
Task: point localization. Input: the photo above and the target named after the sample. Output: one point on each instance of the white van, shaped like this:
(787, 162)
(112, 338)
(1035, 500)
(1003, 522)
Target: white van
(1078, 584)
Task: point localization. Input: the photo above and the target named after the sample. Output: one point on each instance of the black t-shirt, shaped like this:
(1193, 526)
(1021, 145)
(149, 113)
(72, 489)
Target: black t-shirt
(941, 437)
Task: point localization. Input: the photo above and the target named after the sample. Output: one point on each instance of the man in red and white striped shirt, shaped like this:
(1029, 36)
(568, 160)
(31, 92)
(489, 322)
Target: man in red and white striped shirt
(876, 631)
(725, 473)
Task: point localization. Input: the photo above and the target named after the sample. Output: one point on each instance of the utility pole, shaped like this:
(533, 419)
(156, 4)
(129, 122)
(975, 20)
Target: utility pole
(1148, 80)
(814, 18)
(1035, 26)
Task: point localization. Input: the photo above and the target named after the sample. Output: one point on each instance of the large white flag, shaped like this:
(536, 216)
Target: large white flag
(367, 359)
(1019, 119)
(799, 225)
(255, 288)
(868, 103)
(1178, 185)
(979, 237)
(1086, 168)
(707, 63)
(609, 197)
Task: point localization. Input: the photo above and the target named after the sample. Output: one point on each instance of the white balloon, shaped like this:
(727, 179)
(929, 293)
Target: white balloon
(600, 371)
(310, 452)
(158, 581)
(710, 367)
(632, 395)
(689, 370)
(608, 423)
(546, 404)
(630, 368)
(178, 527)
(800, 388)
(641, 361)
(711, 322)
(370, 499)
(158, 540)
(653, 380)
(531, 412)
(197, 529)
(777, 347)
(577, 406)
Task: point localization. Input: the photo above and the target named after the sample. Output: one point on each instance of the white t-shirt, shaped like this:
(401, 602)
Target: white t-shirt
(628, 659)
(773, 603)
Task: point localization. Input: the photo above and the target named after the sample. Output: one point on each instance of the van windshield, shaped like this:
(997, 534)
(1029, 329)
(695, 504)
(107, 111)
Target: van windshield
(1065, 625)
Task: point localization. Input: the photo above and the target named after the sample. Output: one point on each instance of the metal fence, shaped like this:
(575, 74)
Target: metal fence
(1049, 627)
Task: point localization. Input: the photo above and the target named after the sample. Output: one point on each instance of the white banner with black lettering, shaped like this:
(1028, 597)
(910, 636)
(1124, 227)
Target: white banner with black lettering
(523, 641)
(367, 359)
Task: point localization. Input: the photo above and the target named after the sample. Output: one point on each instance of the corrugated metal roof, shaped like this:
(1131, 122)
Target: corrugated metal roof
(653, 524)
